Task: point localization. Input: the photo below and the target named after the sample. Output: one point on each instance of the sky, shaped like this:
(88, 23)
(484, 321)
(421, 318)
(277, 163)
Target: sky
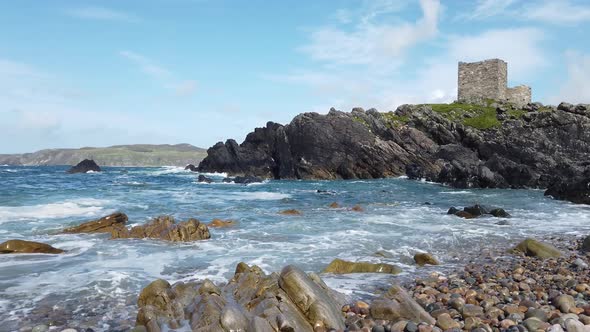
(100, 73)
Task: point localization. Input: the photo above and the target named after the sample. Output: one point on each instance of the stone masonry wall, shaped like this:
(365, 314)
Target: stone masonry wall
(482, 80)
(519, 95)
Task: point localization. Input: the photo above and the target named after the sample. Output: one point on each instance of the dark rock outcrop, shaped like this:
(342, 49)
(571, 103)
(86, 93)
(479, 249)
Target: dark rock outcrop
(251, 301)
(190, 167)
(533, 150)
(85, 166)
(106, 224)
(27, 247)
(165, 228)
(576, 190)
(477, 210)
(202, 178)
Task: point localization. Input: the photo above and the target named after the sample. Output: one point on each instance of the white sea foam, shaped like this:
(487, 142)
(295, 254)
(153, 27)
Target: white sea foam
(256, 195)
(77, 207)
(214, 174)
(460, 192)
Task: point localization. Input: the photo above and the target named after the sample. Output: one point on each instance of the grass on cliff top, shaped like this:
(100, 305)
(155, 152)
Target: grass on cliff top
(393, 120)
(479, 117)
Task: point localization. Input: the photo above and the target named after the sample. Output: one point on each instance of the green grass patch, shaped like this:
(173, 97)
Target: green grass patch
(476, 116)
(393, 120)
(361, 121)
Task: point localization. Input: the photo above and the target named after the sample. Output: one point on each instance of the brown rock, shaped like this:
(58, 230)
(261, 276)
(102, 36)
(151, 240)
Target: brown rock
(218, 223)
(534, 248)
(423, 258)
(334, 205)
(165, 228)
(409, 308)
(445, 322)
(291, 212)
(464, 214)
(27, 247)
(106, 224)
(340, 266)
(357, 208)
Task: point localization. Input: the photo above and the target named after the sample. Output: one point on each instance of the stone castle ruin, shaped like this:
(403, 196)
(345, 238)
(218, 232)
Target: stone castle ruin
(487, 80)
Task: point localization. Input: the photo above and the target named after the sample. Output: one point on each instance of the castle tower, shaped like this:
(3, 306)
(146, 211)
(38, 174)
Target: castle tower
(479, 82)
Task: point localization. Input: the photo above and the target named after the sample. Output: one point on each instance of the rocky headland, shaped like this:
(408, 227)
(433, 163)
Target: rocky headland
(461, 145)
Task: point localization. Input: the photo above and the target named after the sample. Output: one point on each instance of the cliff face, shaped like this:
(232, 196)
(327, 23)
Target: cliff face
(460, 145)
(120, 155)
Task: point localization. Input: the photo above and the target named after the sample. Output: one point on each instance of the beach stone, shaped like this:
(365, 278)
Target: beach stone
(411, 327)
(27, 247)
(533, 324)
(572, 325)
(537, 313)
(471, 323)
(579, 263)
(564, 303)
(506, 323)
(40, 328)
(399, 326)
(378, 328)
(585, 246)
(423, 258)
(470, 310)
(534, 248)
(339, 266)
(69, 330)
(409, 308)
(387, 309)
(105, 224)
(555, 328)
(291, 212)
(445, 322)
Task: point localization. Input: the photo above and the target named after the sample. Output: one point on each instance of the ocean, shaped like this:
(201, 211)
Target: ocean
(96, 283)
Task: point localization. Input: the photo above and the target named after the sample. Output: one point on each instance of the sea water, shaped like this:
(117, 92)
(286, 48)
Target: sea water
(96, 283)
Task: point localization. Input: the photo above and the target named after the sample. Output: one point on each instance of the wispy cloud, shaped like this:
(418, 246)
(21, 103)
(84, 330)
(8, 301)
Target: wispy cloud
(148, 66)
(371, 41)
(180, 87)
(102, 14)
(553, 12)
(576, 88)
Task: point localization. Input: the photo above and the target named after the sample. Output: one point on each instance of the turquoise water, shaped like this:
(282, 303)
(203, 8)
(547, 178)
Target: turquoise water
(97, 281)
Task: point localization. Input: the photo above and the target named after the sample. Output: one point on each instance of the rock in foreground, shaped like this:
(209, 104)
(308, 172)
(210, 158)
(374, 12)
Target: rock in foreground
(106, 224)
(251, 301)
(165, 228)
(27, 247)
(339, 266)
(534, 248)
(85, 166)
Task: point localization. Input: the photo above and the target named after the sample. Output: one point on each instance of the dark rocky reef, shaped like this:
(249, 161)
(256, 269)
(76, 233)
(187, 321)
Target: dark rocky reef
(576, 190)
(106, 224)
(520, 149)
(85, 166)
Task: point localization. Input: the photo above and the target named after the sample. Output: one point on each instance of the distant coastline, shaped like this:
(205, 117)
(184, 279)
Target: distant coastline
(117, 155)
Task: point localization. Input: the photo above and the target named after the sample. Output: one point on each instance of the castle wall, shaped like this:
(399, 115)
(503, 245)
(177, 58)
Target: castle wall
(482, 80)
(519, 95)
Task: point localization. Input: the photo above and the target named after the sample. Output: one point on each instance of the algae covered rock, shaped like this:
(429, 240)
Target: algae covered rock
(534, 248)
(339, 266)
(103, 225)
(423, 258)
(166, 228)
(27, 247)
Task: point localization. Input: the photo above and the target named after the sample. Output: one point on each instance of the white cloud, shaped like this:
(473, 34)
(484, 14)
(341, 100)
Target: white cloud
(186, 88)
(556, 12)
(576, 88)
(102, 14)
(371, 42)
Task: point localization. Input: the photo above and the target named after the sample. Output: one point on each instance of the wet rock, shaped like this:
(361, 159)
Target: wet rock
(204, 179)
(383, 253)
(572, 325)
(564, 303)
(218, 223)
(534, 324)
(84, 166)
(499, 213)
(471, 310)
(334, 205)
(585, 247)
(537, 313)
(534, 248)
(445, 322)
(409, 308)
(575, 190)
(247, 179)
(476, 210)
(453, 210)
(423, 258)
(387, 309)
(250, 301)
(40, 328)
(357, 208)
(291, 212)
(191, 167)
(465, 214)
(165, 228)
(106, 224)
(339, 266)
(27, 247)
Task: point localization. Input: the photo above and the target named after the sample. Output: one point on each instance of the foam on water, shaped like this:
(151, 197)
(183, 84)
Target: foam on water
(75, 207)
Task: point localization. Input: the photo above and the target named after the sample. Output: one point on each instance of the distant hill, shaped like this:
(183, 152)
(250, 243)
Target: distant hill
(118, 155)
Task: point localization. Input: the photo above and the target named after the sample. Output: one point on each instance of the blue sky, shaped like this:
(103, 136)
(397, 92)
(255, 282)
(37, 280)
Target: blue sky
(98, 73)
